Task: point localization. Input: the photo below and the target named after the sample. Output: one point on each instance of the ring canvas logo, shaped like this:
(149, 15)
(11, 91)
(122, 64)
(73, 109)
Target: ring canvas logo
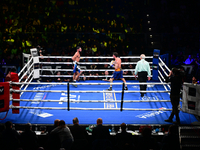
(151, 113)
(1, 90)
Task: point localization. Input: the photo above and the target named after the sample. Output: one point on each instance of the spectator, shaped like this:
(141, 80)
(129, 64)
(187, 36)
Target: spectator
(64, 134)
(171, 140)
(55, 125)
(124, 140)
(28, 138)
(189, 60)
(146, 141)
(80, 135)
(53, 141)
(100, 136)
(10, 138)
(58, 79)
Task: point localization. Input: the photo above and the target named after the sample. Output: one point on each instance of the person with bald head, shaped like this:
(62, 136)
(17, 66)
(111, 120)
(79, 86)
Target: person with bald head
(142, 69)
(100, 135)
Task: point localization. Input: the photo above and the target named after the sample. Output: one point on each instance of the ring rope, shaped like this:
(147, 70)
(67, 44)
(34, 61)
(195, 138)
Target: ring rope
(93, 57)
(25, 66)
(88, 63)
(58, 91)
(163, 70)
(164, 64)
(27, 79)
(92, 76)
(163, 85)
(91, 101)
(163, 79)
(26, 86)
(61, 83)
(74, 108)
(25, 73)
(86, 69)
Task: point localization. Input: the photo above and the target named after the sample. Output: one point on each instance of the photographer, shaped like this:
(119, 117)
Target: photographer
(175, 78)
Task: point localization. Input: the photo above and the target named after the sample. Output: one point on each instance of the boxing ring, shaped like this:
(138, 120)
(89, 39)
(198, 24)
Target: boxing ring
(43, 102)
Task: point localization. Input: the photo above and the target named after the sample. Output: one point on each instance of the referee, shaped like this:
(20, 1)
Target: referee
(142, 69)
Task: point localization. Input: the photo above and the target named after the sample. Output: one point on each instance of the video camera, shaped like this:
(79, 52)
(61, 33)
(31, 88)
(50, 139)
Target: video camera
(40, 50)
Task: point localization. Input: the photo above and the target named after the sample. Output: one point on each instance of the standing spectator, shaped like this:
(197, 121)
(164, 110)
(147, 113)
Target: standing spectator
(10, 138)
(64, 134)
(80, 135)
(100, 136)
(28, 138)
(176, 82)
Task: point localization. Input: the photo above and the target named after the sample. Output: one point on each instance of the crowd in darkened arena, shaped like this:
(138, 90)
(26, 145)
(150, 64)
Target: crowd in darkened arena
(100, 27)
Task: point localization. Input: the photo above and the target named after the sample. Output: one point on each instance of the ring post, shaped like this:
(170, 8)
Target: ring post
(155, 66)
(122, 96)
(68, 95)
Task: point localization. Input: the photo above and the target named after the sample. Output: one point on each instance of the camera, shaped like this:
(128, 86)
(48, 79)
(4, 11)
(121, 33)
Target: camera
(40, 50)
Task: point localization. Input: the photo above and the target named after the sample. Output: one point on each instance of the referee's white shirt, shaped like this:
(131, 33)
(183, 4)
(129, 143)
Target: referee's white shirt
(143, 65)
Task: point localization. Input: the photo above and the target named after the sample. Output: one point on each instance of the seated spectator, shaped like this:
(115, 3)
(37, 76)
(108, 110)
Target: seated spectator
(124, 140)
(194, 80)
(82, 76)
(189, 60)
(80, 135)
(10, 138)
(28, 138)
(171, 140)
(100, 136)
(106, 73)
(53, 141)
(58, 79)
(7, 78)
(64, 134)
(146, 141)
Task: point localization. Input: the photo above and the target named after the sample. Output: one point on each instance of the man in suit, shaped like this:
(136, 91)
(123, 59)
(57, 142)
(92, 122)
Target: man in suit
(80, 135)
(100, 136)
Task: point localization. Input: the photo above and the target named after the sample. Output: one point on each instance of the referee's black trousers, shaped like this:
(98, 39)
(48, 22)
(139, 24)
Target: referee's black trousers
(142, 77)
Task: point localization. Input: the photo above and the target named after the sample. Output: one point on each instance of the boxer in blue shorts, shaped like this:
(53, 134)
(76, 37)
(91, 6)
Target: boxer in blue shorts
(76, 69)
(118, 73)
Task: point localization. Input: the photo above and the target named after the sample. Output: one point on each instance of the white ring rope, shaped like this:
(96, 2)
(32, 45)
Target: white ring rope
(92, 76)
(26, 85)
(74, 108)
(146, 57)
(59, 91)
(86, 69)
(25, 73)
(25, 66)
(90, 101)
(163, 85)
(163, 70)
(164, 64)
(163, 78)
(107, 83)
(87, 63)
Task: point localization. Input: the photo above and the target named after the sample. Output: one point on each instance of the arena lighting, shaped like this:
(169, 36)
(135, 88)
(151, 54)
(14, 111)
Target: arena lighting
(151, 43)
(148, 22)
(151, 36)
(147, 15)
(149, 29)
